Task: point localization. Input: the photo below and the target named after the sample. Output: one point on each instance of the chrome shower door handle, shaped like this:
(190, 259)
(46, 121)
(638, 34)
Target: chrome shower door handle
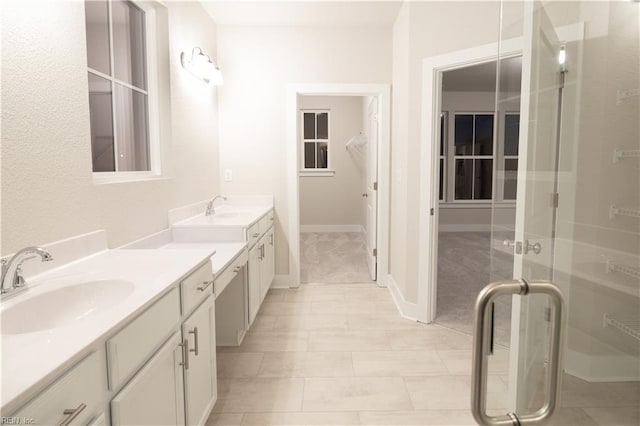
(481, 332)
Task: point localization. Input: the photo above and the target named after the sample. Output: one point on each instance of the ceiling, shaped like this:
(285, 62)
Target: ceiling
(318, 13)
(482, 77)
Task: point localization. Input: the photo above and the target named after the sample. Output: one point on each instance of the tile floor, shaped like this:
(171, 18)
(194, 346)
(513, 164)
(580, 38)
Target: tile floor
(341, 355)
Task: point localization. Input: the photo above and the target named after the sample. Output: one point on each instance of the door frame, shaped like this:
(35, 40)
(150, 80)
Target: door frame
(383, 93)
(432, 70)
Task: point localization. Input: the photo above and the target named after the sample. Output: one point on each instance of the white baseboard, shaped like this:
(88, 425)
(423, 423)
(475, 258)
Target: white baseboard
(472, 227)
(408, 310)
(331, 228)
(281, 281)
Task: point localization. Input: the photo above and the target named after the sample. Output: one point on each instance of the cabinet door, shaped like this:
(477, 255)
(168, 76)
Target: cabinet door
(155, 396)
(268, 262)
(200, 372)
(254, 282)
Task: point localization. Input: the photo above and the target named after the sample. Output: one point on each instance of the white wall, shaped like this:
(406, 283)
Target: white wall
(259, 63)
(337, 199)
(47, 187)
(422, 29)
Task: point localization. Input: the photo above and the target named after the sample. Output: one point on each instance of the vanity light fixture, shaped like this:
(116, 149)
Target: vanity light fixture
(200, 65)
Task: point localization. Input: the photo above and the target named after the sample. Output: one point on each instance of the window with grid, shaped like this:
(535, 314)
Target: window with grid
(118, 86)
(510, 155)
(473, 156)
(315, 140)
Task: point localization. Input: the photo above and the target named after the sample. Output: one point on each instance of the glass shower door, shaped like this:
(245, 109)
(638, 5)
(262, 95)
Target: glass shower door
(574, 227)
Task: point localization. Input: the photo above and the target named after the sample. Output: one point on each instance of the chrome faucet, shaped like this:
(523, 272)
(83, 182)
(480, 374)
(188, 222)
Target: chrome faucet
(210, 209)
(12, 280)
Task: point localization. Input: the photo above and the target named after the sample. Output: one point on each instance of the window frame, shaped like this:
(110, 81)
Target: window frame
(501, 157)
(452, 197)
(307, 171)
(149, 8)
(444, 147)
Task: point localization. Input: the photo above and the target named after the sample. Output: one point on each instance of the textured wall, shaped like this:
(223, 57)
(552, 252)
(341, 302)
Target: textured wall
(259, 63)
(335, 200)
(47, 187)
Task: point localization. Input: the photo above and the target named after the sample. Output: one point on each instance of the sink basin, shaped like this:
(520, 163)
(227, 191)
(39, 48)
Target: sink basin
(225, 214)
(63, 306)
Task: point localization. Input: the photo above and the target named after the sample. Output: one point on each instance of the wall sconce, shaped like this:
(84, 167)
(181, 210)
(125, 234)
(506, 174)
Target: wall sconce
(200, 65)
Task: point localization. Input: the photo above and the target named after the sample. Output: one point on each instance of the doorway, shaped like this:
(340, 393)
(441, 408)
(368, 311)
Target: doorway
(338, 137)
(377, 183)
(474, 141)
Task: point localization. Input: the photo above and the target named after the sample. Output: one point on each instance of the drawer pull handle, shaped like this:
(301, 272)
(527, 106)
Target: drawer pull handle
(195, 341)
(72, 413)
(185, 353)
(271, 239)
(237, 269)
(255, 234)
(271, 219)
(204, 285)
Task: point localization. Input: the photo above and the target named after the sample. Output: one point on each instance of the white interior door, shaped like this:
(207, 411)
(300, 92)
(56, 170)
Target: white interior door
(372, 183)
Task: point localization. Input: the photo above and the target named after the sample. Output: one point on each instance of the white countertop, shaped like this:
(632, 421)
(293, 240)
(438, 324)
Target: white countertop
(32, 359)
(225, 252)
(227, 215)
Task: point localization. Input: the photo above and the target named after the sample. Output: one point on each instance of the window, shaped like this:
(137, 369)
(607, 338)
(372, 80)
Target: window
(315, 140)
(118, 86)
(510, 153)
(473, 156)
(444, 122)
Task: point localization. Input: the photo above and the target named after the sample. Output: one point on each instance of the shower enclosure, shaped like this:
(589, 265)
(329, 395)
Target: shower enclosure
(574, 347)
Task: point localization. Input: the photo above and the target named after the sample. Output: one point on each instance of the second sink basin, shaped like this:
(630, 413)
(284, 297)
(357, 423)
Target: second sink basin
(63, 306)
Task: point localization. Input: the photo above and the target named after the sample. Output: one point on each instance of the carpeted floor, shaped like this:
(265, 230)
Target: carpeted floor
(465, 266)
(333, 258)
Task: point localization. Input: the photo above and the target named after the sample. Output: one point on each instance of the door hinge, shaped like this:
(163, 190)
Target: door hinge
(555, 200)
(375, 186)
(375, 252)
(432, 211)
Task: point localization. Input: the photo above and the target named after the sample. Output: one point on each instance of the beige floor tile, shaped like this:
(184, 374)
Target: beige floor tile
(271, 341)
(452, 392)
(367, 294)
(459, 361)
(306, 364)
(356, 394)
(285, 308)
(301, 419)
(357, 340)
(259, 395)
(241, 364)
(311, 322)
(310, 293)
(397, 363)
(430, 338)
(263, 323)
(224, 419)
(619, 416)
(382, 321)
(418, 417)
(346, 307)
(276, 295)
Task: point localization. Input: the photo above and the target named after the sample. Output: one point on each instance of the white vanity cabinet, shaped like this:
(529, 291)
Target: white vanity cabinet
(261, 266)
(75, 398)
(199, 340)
(155, 396)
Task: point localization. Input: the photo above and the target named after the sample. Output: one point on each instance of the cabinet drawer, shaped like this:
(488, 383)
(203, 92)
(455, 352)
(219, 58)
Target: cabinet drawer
(225, 276)
(85, 383)
(266, 222)
(253, 234)
(196, 287)
(128, 349)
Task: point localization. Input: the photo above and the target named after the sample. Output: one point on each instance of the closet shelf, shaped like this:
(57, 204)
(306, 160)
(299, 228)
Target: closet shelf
(621, 154)
(628, 327)
(624, 269)
(622, 211)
